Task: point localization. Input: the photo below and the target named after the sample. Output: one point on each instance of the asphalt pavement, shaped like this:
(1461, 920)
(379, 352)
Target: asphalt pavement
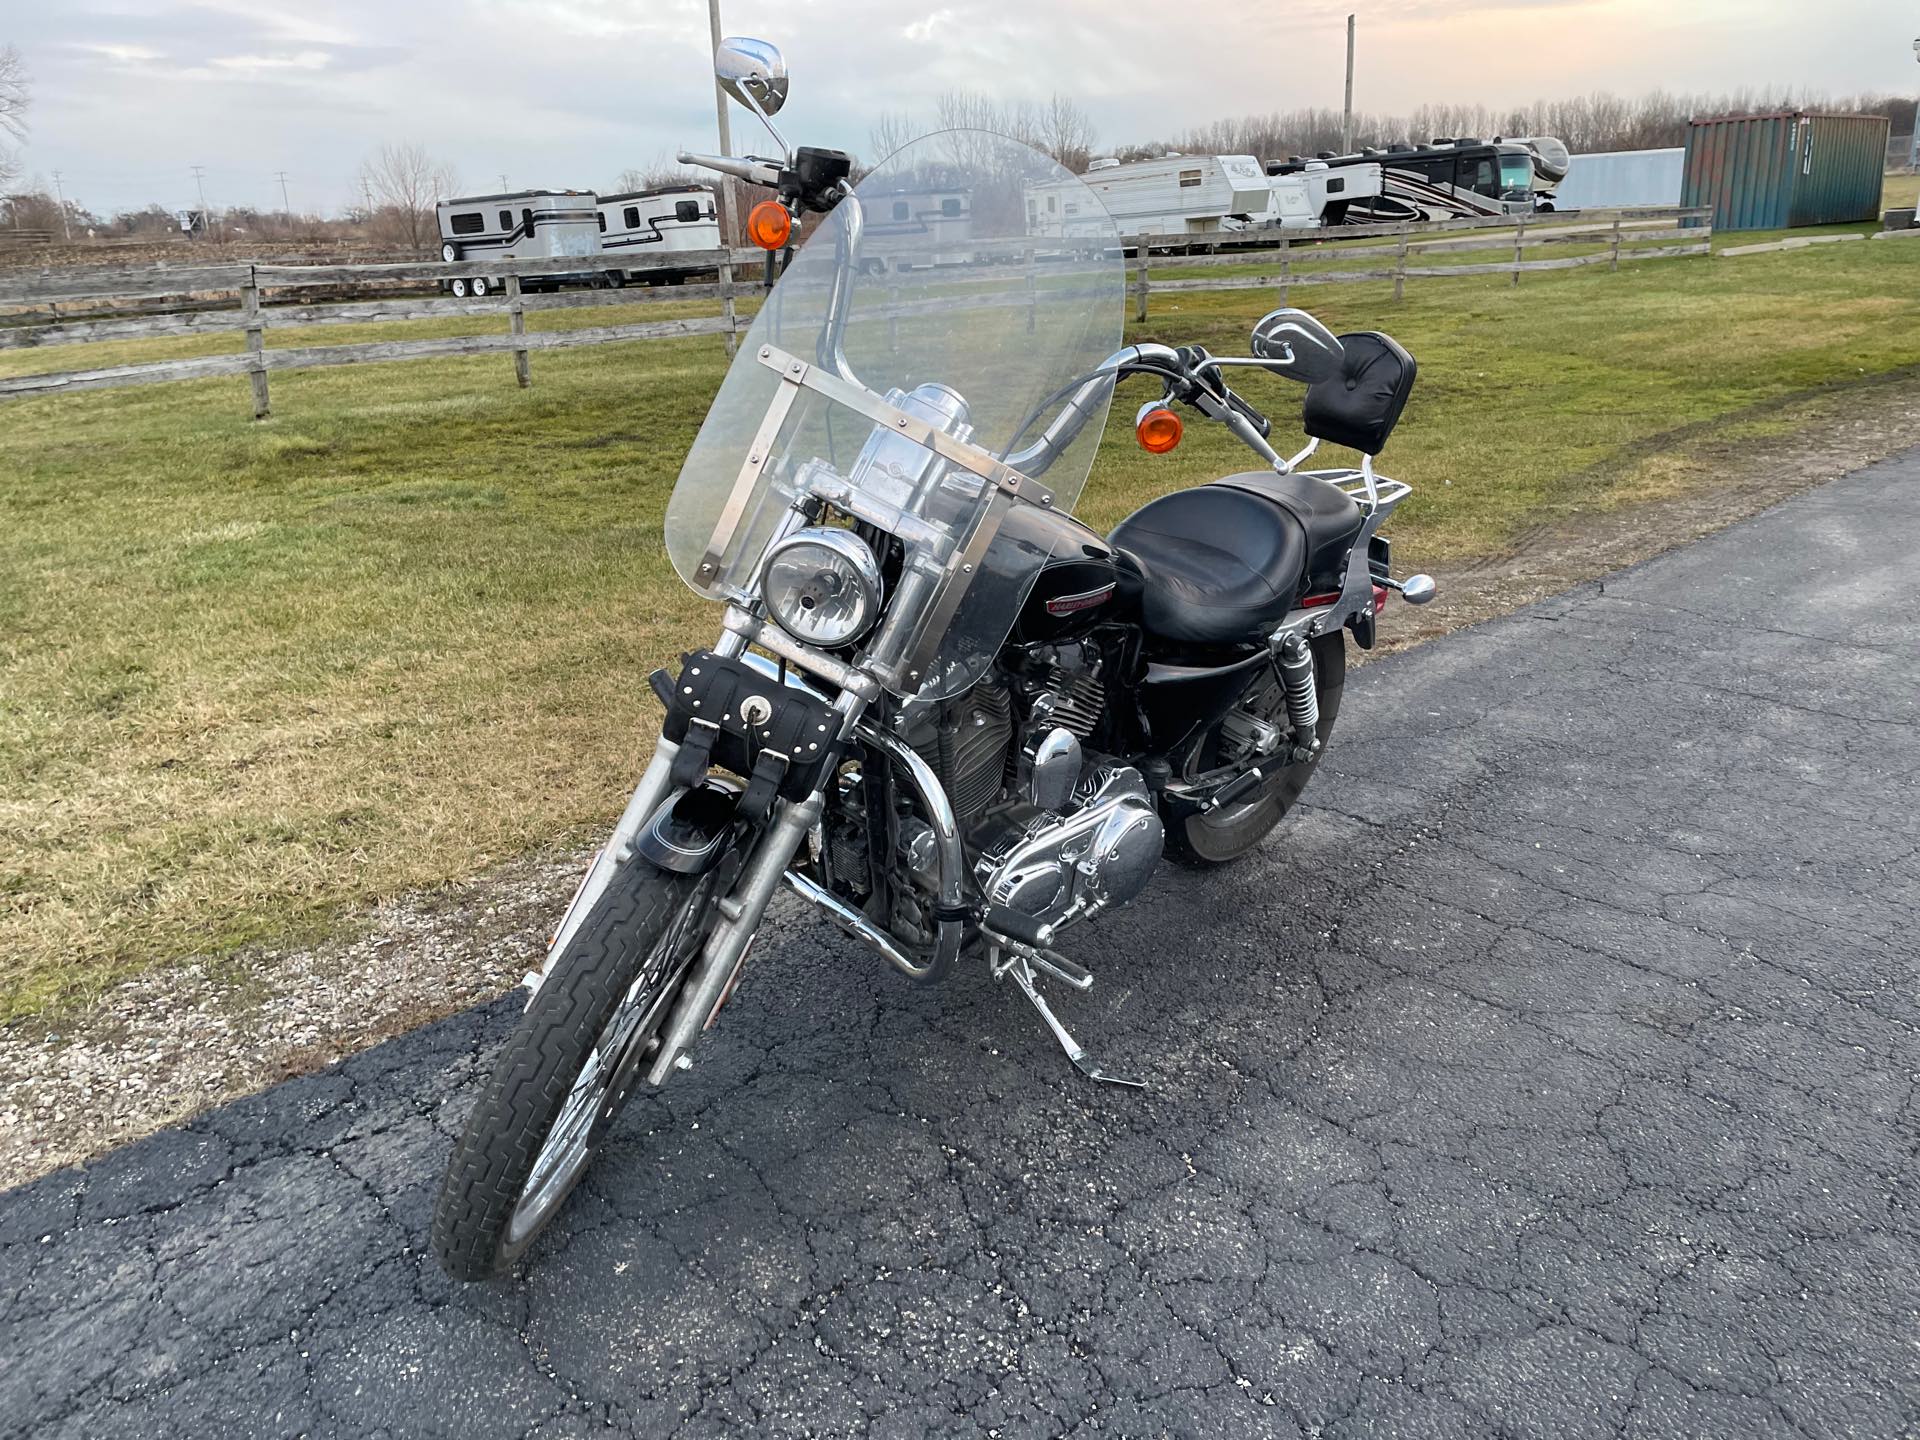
(1552, 1073)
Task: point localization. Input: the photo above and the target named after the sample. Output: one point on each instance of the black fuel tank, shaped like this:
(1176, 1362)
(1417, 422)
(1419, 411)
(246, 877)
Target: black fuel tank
(1075, 588)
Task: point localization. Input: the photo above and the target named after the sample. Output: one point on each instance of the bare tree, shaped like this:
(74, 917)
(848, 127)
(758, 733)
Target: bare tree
(1066, 132)
(14, 98)
(660, 173)
(405, 183)
(893, 130)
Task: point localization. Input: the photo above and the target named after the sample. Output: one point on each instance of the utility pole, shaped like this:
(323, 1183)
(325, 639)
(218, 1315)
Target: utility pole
(503, 183)
(723, 190)
(1346, 123)
(200, 184)
(66, 225)
(286, 205)
(1913, 146)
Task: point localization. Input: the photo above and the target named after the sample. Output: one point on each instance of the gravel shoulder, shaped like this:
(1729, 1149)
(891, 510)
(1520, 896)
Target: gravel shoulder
(171, 1044)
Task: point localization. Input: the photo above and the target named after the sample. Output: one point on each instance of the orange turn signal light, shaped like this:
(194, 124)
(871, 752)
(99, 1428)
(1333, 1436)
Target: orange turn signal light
(1158, 430)
(769, 225)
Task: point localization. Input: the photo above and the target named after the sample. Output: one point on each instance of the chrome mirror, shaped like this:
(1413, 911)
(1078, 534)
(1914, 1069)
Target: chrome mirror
(754, 72)
(1295, 344)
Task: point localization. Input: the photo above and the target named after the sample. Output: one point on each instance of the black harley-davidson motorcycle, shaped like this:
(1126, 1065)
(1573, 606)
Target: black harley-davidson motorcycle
(940, 709)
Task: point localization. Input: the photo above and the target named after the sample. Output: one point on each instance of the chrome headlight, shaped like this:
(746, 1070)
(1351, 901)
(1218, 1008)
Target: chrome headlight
(822, 586)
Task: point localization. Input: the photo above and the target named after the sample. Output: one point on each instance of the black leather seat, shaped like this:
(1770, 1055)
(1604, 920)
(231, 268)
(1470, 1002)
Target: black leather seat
(1328, 515)
(1226, 561)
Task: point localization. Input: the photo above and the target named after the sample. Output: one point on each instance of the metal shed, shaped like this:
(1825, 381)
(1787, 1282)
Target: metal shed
(1770, 172)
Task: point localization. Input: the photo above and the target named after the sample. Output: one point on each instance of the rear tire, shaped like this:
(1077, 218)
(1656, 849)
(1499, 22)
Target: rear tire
(1221, 838)
(572, 1061)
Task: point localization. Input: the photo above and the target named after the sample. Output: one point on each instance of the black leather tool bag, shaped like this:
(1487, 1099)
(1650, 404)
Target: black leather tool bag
(725, 712)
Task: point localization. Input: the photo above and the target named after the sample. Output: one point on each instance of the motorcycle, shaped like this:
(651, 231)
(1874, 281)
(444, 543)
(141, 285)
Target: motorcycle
(941, 711)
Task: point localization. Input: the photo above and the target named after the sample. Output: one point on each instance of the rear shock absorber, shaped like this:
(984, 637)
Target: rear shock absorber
(1295, 661)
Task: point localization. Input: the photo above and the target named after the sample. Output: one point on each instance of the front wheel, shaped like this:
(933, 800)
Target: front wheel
(1219, 836)
(570, 1065)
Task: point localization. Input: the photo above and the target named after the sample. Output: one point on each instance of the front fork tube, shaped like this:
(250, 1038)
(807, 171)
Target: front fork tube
(740, 916)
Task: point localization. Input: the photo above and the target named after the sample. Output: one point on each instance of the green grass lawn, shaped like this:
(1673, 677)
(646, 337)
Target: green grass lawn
(258, 674)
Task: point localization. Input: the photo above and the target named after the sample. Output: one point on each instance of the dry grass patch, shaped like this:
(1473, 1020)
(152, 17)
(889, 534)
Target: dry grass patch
(258, 675)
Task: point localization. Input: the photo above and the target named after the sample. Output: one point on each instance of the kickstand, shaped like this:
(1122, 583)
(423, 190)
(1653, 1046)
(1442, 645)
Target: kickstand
(1020, 968)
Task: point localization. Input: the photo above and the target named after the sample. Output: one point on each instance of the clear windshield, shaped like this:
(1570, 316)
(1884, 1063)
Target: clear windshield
(965, 312)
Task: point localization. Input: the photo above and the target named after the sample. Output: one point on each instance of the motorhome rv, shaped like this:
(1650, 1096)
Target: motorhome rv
(648, 224)
(1448, 179)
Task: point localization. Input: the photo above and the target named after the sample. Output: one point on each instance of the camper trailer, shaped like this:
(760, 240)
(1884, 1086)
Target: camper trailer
(940, 220)
(1447, 179)
(644, 225)
(1201, 194)
(1171, 195)
(522, 225)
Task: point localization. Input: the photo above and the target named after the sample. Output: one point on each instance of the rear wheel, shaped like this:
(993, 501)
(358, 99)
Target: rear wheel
(1223, 835)
(572, 1061)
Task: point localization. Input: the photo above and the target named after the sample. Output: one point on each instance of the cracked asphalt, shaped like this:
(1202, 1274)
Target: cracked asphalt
(1552, 1074)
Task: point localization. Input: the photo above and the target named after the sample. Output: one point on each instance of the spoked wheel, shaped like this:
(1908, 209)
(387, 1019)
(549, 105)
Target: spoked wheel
(576, 1055)
(1218, 836)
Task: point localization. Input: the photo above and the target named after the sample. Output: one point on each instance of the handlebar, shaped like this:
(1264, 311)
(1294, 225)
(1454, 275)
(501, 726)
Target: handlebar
(749, 168)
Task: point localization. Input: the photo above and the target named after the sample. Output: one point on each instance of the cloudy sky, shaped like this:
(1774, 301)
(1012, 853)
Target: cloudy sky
(128, 94)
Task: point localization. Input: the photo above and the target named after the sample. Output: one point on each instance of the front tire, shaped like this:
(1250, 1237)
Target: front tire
(1229, 833)
(576, 1055)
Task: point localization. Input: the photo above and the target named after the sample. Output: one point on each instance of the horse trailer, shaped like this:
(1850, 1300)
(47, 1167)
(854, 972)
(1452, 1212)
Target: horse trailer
(647, 224)
(520, 225)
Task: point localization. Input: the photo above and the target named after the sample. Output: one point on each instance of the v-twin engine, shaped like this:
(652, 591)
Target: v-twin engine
(1100, 851)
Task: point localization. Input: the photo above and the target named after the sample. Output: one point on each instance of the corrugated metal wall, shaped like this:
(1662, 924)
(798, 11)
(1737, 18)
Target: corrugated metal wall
(1842, 165)
(1768, 172)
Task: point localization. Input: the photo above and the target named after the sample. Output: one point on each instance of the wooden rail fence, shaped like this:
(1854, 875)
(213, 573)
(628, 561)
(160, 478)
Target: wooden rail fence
(1621, 235)
(55, 307)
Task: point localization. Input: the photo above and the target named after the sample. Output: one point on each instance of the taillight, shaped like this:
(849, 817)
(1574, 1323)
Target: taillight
(1379, 598)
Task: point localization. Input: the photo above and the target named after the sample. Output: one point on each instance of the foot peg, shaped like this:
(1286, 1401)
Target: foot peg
(1010, 958)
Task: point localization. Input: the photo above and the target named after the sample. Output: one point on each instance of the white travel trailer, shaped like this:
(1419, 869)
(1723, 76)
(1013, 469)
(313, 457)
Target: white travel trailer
(647, 224)
(1198, 194)
(523, 225)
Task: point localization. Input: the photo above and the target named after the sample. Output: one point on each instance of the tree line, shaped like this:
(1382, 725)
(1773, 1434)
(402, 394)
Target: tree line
(1587, 123)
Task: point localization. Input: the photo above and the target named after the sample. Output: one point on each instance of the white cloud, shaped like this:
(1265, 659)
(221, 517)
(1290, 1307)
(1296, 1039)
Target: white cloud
(128, 93)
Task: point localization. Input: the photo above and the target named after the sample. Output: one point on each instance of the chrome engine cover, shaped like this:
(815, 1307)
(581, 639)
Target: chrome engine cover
(1100, 852)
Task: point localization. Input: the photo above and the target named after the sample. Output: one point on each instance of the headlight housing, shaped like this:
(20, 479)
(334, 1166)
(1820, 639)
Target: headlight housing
(822, 586)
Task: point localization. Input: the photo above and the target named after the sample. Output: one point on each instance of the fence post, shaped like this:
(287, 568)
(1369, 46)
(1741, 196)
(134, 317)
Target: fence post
(517, 324)
(893, 314)
(1033, 292)
(256, 344)
(1400, 267)
(1140, 291)
(1286, 265)
(726, 301)
(1519, 247)
(1614, 263)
